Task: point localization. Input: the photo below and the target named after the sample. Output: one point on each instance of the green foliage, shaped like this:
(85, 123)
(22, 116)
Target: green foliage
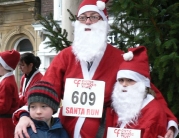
(154, 24)
(72, 16)
(57, 35)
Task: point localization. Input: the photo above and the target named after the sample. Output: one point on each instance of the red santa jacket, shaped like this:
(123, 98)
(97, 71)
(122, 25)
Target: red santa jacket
(9, 102)
(34, 78)
(152, 121)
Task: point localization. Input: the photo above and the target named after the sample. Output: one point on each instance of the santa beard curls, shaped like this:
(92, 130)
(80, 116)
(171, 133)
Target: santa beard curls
(128, 104)
(90, 41)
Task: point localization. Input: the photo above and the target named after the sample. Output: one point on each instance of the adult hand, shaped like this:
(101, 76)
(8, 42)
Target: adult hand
(21, 127)
(169, 134)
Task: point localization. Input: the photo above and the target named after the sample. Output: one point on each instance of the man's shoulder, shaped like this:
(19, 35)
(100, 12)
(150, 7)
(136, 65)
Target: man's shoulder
(65, 51)
(114, 49)
(114, 53)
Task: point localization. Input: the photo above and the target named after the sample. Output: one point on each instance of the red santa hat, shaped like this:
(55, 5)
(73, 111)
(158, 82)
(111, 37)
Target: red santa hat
(98, 6)
(135, 66)
(9, 59)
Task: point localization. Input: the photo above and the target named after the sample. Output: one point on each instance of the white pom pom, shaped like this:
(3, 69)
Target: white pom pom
(101, 5)
(128, 56)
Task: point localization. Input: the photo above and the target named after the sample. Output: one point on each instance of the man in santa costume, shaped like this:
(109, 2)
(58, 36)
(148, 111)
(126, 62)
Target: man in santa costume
(9, 98)
(89, 58)
(133, 100)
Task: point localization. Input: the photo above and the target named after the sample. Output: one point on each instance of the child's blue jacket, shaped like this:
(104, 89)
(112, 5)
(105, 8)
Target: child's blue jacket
(43, 130)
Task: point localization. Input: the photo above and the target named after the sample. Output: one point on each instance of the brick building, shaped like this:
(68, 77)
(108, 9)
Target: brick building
(20, 30)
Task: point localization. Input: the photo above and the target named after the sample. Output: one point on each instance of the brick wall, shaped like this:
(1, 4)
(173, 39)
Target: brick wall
(46, 7)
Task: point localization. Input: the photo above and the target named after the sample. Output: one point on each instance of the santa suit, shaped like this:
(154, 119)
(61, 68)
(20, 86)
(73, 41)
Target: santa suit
(65, 66)
(105, 68)
(23, 89)
(152, 121)
(9, 102)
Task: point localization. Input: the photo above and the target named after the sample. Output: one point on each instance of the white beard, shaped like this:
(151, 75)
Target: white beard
(128, 104)
(90, 44)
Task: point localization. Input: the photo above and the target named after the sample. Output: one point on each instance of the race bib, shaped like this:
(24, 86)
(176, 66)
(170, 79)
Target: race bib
(123, 133)
(83, 98)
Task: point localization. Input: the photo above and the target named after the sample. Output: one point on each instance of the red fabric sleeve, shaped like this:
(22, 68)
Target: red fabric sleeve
(160, 99)
(22, 101)
(16, 116)
(153, 131)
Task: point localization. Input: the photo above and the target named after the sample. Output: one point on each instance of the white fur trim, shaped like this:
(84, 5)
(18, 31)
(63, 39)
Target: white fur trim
(86, 75)
(147, 100)
(174, 124)
(128, 56)
(101, 5)
(3, 63)
(92, 8)
(23, 108)
(27, 85)
(6, 75)
(78, 126)
(134, 76)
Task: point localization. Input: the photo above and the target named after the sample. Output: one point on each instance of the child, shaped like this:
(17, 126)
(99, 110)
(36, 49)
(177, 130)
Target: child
(9, 99)
(43, 102)
(132, 98)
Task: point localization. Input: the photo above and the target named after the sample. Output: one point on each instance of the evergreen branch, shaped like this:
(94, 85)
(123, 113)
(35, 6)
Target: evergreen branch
(57, 35)
(73, 17)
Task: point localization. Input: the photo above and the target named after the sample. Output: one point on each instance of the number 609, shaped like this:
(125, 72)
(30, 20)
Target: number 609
(83, 97)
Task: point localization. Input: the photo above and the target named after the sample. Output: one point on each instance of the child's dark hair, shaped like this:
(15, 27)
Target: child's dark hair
(28, 58)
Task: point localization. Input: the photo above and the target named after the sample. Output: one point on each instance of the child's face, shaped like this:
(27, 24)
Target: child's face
(126, 82)
(41, 111)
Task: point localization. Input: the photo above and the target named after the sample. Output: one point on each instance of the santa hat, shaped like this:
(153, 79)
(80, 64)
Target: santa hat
(9, 59)
(135, 66)
(98, 6)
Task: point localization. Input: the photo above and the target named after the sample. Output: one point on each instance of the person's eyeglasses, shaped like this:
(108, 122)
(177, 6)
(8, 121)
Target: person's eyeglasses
(92, 18)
